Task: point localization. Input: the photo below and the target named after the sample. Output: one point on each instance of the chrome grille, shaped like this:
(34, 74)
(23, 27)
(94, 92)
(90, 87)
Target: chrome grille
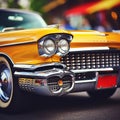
(91, 59)
(54, 86)
(67, 82)
(85, 76)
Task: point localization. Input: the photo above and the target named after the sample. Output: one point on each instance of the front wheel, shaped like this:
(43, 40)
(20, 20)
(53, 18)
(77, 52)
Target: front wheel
(6, 83)
(101, 94)
(10, 93)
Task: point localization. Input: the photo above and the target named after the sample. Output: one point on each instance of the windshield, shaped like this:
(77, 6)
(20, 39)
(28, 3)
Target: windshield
(21, 20)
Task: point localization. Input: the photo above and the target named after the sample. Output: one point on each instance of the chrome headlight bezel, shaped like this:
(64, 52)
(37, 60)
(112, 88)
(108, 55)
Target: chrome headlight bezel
(58, 43)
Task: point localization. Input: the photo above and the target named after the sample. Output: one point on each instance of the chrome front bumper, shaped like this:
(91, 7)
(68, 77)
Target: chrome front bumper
(48, 79)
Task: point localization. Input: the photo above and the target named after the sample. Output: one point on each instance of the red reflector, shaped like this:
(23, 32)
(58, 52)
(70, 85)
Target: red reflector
(38, 81)
(107, 81)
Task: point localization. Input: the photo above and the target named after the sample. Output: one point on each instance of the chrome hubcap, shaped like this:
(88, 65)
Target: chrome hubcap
(5, 84)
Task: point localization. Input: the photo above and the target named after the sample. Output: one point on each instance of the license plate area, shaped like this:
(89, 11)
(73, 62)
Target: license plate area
(106, 81)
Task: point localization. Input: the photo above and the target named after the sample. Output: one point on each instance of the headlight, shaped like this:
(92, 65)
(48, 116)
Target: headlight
(52, 44)
(63, 47)
(47, 48)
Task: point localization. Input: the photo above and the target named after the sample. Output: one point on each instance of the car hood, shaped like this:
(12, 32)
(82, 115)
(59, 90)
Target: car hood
(26, 36)
(91, 38)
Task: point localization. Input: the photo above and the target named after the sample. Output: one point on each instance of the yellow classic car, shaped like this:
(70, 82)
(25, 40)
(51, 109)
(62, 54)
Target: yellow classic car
(37, 59)
(30, 55)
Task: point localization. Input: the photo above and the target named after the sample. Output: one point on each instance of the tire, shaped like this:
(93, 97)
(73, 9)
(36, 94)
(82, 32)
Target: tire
(101, 94)
(10, 93)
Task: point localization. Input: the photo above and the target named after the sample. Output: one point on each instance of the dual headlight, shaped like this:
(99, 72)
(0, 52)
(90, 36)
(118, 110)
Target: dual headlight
(54, 45)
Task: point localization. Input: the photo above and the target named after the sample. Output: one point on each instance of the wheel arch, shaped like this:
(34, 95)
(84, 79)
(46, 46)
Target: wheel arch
(8, 59)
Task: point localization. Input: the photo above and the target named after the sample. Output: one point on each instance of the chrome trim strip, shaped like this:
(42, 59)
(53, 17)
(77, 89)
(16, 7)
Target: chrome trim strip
(116, 31)
(85, 81)
(41, 74)
(33, 67)
(92, 70)
(89, 33)
(88, 49)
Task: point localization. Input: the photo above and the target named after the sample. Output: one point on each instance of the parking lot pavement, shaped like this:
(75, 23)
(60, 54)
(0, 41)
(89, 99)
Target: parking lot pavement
(77, 106)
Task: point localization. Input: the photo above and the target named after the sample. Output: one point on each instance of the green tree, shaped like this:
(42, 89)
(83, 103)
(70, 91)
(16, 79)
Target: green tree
(13, 4)
(37, 5)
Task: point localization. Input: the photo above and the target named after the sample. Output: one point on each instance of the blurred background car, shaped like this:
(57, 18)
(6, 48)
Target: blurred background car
(102, 15)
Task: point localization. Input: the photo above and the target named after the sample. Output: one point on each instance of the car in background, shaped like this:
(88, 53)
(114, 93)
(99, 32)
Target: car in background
(30, 55)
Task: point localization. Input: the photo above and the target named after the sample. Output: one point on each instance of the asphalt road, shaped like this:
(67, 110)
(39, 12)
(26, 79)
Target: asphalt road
(76, 106)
